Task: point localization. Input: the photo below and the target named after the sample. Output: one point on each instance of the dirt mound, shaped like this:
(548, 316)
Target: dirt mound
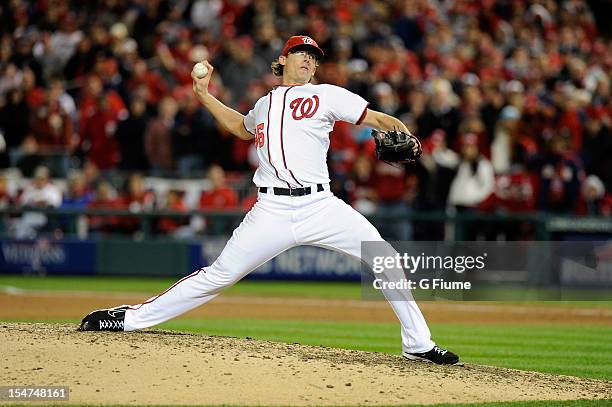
(162, 367)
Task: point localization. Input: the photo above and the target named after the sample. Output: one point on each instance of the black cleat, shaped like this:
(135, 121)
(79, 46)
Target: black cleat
(436, 355)
(104, 319)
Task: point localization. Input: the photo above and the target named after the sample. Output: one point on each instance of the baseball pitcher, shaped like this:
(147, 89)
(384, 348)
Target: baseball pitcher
(290, 127)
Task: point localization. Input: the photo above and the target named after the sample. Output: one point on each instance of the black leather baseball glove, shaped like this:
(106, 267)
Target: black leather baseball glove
(396, 146)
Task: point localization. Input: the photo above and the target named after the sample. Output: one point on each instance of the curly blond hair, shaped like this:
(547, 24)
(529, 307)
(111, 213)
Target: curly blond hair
(277, 68)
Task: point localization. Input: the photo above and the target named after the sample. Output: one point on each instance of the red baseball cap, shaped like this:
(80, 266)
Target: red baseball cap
(302, 41)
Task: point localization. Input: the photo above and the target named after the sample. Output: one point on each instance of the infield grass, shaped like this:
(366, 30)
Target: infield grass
(315, 289)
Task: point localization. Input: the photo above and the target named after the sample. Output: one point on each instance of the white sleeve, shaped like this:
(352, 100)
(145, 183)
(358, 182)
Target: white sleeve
(345, 106)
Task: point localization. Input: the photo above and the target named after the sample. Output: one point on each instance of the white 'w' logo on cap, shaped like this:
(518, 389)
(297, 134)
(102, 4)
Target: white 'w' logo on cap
(307, 40)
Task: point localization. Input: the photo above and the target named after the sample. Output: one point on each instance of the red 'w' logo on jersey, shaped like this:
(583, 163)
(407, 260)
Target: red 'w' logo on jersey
(304, 108)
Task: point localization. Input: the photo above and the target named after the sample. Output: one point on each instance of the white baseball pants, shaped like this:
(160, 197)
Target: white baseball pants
(275, 224)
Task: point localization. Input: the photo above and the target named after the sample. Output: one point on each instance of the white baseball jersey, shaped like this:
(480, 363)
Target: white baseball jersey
(291, 125)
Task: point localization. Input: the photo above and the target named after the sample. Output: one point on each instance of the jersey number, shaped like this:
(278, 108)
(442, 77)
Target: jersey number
(304, 108)
(259, 135)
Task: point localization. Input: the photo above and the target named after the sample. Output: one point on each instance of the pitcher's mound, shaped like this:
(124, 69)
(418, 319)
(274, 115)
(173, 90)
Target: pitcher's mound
(162, 367)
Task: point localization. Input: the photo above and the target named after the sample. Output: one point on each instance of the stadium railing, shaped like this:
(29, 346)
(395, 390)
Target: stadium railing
(457, 226)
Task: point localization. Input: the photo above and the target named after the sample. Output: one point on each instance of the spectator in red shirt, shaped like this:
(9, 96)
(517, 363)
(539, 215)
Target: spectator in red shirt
(594, 201)
(158, 137)
(98, 136)
(220, 196)
(89, 104)
(394, 192)
(155, 84)
(513, 193)
(34, 95)
(343, 148)
(52, 126)
(105, 198)
(361, 188)
(136, 199)
(174, 203)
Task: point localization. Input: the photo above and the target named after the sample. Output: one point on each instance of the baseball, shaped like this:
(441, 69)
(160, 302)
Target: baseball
(200, 70)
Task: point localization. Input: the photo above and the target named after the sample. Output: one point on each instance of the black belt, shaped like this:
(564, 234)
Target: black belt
(291, 191)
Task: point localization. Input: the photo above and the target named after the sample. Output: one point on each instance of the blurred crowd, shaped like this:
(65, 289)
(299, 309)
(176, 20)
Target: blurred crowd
(86, 190)
(511, 98)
